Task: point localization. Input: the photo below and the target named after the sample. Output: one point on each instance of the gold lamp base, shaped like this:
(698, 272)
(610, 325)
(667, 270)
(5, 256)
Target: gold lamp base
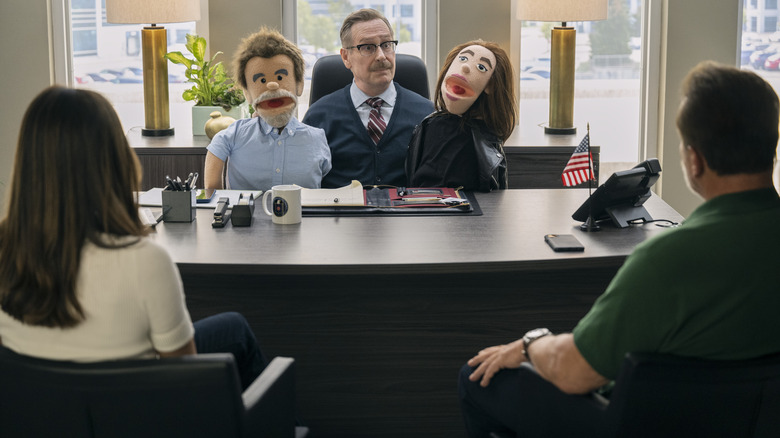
(561, 120)
(560, 131)
(154, 44)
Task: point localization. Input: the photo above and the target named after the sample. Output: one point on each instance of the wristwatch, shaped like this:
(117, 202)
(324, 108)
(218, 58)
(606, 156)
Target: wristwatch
(531, 336)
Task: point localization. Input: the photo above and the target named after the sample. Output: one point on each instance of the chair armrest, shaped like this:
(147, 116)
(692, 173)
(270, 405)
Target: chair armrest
(269, 402)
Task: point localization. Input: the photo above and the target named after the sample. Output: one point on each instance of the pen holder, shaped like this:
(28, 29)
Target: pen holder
(178, 206)
(243, 211)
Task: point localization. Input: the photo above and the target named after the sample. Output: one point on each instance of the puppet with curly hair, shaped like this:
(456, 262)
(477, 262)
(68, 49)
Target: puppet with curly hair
(461, 143)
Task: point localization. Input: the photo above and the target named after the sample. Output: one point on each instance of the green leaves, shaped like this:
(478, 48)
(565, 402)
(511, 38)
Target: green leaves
(211, 85)
(197, 46)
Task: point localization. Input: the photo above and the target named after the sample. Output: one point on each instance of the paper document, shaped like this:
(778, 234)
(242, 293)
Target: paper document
(351, 195)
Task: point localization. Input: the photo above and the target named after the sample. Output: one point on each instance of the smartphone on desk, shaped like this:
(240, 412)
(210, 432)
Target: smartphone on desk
(563, 242)
(204, 196)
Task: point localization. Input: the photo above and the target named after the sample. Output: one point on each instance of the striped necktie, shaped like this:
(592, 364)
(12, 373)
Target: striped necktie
(376, 123)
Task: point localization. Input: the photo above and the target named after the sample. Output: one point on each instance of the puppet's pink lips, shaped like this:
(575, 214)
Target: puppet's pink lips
(457, 87)
(275, 103)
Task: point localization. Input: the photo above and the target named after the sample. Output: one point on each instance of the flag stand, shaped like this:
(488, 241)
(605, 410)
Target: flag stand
(590, 225)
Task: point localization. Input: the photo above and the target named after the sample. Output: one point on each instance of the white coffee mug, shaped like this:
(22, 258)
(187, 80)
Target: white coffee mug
(285, 204)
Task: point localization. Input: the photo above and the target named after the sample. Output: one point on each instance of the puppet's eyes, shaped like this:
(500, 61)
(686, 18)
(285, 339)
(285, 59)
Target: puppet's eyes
(463, 58)
(262, 81)
(482, 68)
(279, 78)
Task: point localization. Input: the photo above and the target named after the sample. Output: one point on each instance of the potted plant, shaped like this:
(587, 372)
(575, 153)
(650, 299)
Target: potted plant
(211, 88)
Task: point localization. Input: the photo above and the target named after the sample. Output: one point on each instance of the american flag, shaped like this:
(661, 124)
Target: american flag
(578, 169)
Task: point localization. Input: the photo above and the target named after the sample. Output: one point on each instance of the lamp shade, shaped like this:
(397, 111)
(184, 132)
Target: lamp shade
(562, 10)
(152, 11)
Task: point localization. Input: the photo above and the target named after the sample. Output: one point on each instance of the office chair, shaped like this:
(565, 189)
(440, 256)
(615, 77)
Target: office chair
(329, 74)
(194, 396)
(659, 395)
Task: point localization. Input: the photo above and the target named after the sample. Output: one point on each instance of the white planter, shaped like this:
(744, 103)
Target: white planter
(202, 114)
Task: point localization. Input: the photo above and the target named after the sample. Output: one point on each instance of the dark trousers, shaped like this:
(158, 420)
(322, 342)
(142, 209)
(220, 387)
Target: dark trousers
(521, 403)
(230, 333)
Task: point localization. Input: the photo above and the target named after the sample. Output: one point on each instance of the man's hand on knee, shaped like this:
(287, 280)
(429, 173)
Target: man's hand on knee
(494, 359)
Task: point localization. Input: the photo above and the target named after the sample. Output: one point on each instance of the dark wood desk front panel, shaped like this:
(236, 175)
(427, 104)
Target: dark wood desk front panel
(381, 312)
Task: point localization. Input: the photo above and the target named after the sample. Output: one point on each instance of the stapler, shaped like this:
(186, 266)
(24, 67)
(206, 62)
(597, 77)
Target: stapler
(221, 213)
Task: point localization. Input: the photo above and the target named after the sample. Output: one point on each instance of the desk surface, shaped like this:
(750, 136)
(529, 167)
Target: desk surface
(381, 312)
(508, 236)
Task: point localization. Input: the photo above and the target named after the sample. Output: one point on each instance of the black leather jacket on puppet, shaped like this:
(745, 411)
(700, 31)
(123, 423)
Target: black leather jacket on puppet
(491, 161)
(461, 144)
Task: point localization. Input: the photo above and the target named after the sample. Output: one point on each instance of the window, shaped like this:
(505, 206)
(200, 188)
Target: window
(319, 22)
(761, 48)
(83, 22)
(107, 59)
(607, 81)
(770, 23)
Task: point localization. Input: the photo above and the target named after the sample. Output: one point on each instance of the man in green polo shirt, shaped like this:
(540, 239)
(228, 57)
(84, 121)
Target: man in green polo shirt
(707, 289)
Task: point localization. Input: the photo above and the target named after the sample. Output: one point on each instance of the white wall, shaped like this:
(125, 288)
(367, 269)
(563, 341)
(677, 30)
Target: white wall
(694, 30)
(24, 30)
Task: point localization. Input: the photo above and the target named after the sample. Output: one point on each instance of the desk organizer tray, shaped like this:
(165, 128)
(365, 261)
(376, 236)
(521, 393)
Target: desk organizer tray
(420, 201)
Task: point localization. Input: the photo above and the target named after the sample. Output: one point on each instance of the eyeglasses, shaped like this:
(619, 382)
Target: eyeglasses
(370, 49)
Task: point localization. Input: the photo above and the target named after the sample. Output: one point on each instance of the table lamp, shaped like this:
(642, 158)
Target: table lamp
(561, 119)
(154, 44)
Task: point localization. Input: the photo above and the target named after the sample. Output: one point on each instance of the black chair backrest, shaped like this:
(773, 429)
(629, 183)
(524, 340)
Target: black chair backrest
(187, 396)
(329, 74)
(660, 395)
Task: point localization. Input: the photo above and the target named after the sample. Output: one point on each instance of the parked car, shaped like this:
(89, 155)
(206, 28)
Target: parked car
(125, 76)
(538, 71)
(772, 62)
(84, 79)
(758, 57)
(530, 76)
(102, 77)
(749, 48)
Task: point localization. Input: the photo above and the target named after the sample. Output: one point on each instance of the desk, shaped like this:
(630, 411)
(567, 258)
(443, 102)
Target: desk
(381, 312)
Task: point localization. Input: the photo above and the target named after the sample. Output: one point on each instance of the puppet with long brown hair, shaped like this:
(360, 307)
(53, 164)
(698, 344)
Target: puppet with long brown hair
(461, 143)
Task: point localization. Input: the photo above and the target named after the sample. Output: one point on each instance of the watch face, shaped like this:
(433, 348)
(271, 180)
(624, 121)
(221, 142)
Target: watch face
(535, 334)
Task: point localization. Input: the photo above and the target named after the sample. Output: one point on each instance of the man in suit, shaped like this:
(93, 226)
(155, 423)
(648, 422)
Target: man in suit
(368, 123)
(706, 289)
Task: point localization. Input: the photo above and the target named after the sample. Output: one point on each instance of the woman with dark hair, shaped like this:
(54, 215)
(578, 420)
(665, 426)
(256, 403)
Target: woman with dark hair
(78, 278)
(461, 143)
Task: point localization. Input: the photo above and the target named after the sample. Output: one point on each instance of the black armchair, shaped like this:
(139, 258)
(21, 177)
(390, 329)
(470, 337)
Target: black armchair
(659, 395)
(329, 74)
(187, 396)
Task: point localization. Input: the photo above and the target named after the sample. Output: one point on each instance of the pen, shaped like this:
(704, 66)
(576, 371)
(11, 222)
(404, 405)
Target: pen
(192, 183)
(169, 183)
(187, 182)
(421, 199)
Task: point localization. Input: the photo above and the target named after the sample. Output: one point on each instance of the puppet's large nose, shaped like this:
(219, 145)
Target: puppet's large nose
(272, 86)
(465, 68)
